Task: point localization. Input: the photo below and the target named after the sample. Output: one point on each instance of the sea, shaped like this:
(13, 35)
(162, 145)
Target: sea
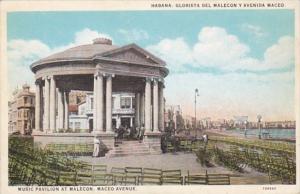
(273, 133)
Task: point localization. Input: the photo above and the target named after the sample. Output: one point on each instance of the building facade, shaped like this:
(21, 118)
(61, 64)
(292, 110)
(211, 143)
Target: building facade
(123, 112)
(13, 113)
(21, 111)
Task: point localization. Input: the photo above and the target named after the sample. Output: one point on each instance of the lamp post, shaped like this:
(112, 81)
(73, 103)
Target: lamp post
(176, 109)
(259, 127)
(196, 94)
(245, 122)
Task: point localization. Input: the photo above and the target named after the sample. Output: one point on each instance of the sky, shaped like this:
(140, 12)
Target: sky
(241, 61)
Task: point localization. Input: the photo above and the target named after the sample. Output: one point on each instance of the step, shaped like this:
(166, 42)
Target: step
(129, 143)
(132, 145)
(135, 147)
(121, 151)
(127, 154)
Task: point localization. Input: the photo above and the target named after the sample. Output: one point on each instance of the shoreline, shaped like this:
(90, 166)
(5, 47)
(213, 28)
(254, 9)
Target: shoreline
(230, 133)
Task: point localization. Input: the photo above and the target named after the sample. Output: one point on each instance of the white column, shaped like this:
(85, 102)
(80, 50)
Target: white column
(95, 103)
(47, 104)
(66, 108)
(155, 105)
(161, 107)
(37, 106)
(52, 104)
(148, 105)
(175, 119)
(137, 110)
(60, 109)
(131, 122)
(108, 104)
(99, 103)
(142, 108)
(118, 122)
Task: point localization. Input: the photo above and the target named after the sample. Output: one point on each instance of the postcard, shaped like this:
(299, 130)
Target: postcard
(149, 96)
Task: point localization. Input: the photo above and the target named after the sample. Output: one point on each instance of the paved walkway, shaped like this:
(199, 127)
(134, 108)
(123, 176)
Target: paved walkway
(184, 161)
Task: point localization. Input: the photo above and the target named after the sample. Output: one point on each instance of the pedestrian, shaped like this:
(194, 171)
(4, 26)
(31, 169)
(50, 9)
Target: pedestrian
(96, 147)
(205, 138)
(142, 131)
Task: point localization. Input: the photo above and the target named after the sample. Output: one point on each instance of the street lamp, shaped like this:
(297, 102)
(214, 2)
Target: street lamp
(245, 122)
(259, 117)
(196, 94)
(175, 111)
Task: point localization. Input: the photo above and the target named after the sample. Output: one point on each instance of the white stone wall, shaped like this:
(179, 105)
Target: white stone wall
(78, 121)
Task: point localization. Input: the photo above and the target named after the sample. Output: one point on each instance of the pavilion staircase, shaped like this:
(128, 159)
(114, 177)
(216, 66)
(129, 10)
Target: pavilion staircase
(129, 148)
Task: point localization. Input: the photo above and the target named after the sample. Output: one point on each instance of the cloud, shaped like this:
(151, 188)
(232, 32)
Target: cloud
(257, 31)
(133, 35)
(216, 48)
(280, 54)
(84, 36)
(22, 53)
(176, 52)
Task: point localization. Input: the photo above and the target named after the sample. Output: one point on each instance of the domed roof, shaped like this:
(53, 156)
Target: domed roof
(101, 50)
(99, 46)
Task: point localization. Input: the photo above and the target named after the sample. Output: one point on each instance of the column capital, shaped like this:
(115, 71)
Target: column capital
(45, 77)
(155, 81)
(52, 77)
(66, 90)
(162, 85)
(161, 80)
(103, 74)
(97, 74)
(60, 89)
(148, 79)
(38, 82)
(108, 75)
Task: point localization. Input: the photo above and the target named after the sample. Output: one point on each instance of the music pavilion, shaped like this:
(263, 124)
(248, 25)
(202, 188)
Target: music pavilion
(101, 68)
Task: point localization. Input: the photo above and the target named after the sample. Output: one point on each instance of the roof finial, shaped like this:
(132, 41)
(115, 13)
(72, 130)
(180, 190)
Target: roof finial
(102, 41)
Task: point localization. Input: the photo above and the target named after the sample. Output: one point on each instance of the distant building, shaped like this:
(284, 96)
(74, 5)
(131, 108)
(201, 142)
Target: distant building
(281, 124)
(123, 112)
(174, 117)
(12, 113)
(206, 123)
(240, 121)
(76, 97)
(21, 111)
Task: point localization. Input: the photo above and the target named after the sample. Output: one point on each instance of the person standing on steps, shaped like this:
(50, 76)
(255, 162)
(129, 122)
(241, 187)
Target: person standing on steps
(96, 147)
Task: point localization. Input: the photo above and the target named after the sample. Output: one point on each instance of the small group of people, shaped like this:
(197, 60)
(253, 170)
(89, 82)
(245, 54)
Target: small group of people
(129, 132)
(121, 133)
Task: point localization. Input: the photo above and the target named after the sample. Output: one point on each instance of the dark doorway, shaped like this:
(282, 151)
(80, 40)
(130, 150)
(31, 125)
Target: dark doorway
(91, 125)
(114, 123)
(125, 122)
